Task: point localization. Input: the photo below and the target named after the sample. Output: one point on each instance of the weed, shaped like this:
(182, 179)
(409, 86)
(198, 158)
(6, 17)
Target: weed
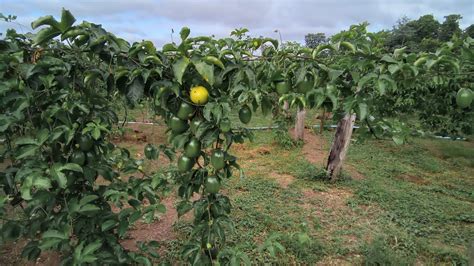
(303, 169)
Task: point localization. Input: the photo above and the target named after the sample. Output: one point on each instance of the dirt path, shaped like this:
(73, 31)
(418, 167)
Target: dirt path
(159, 230)
(316, 150)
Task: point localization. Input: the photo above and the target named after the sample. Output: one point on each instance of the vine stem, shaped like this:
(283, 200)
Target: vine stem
(209, 226)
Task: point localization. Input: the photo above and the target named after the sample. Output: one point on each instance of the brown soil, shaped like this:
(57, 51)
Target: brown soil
(335, 198)
(10, 254)
(283, 180)
(316, 151)
(330, 210)
(159, 230)
(413, 179)
(333, 261)
(329, 206)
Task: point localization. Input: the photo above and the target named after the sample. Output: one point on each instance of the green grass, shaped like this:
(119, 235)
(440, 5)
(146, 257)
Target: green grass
(414, 203)
(426, 196)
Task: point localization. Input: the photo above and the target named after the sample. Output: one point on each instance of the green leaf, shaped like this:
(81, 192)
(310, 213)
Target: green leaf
(42, 183)
(54, 234)
(88, 259)
(333, 99)
(398, 140)
(362, 111)
(109, 224)
(72, 167)
(398, 52)
(89, 208)
(123, 227)
(135, 92)
(183, 207)
(96, 133)
(45, 35)
(393, 68)
(49, 243)
(92, 247)
(67, 19)
(179, 67)
(88, 199)
(334, 74)
(5, 122)
(214, 60)
(388, 59)
(26, 141)
(169, 47)
(26, 151)
(206, 71)
(46, 20)
(184, 33)
(61, 179)
(381, 85)
(366, 79)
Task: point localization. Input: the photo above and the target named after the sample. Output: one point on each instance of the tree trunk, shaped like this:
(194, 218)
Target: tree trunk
(299, 127)
(340, 146)
(321, 128)
(286, 109)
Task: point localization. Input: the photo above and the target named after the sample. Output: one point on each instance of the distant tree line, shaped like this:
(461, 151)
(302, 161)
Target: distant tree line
(423, 34)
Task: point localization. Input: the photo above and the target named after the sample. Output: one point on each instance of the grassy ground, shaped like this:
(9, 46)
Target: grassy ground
(413, 205)
(410, 204)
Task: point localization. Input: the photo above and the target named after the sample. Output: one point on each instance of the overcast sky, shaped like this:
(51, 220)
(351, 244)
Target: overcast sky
(153, 20)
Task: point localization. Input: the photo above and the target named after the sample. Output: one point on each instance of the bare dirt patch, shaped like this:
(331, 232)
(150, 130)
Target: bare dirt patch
(353, 173)
(413, 179)
(283, 180)
(10, 254)
(334, 199)
(339, 224)
(159, 230)
(316, 151)
(334, 261)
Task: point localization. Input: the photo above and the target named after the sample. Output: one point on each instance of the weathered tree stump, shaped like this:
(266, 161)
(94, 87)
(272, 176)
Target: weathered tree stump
(299, 126)
(340, 146)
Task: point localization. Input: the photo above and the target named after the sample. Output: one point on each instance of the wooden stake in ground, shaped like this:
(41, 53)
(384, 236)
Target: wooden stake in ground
(299, 126)
(286, 108)
(340, 146)
(323, 117)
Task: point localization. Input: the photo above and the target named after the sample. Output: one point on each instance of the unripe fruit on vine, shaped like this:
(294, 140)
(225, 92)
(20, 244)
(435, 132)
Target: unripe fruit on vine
(304, 86)
(199, 95)
(192, 149)
(464, 98)
(90, 157)
(185, 164)
(85, 143)
(78, 157)
(185, 111)
(282, 87)
(177, 125)
(245, 114)
(212, 185)
(217, 159)
(151, 152)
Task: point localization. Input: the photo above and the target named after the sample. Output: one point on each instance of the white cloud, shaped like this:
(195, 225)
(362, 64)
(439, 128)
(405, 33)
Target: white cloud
(154, 19)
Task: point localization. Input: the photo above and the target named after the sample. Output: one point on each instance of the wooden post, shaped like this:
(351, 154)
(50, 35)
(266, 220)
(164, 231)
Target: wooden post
(299, 126)
(321, 128)
(286, 108)
(340, 146)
